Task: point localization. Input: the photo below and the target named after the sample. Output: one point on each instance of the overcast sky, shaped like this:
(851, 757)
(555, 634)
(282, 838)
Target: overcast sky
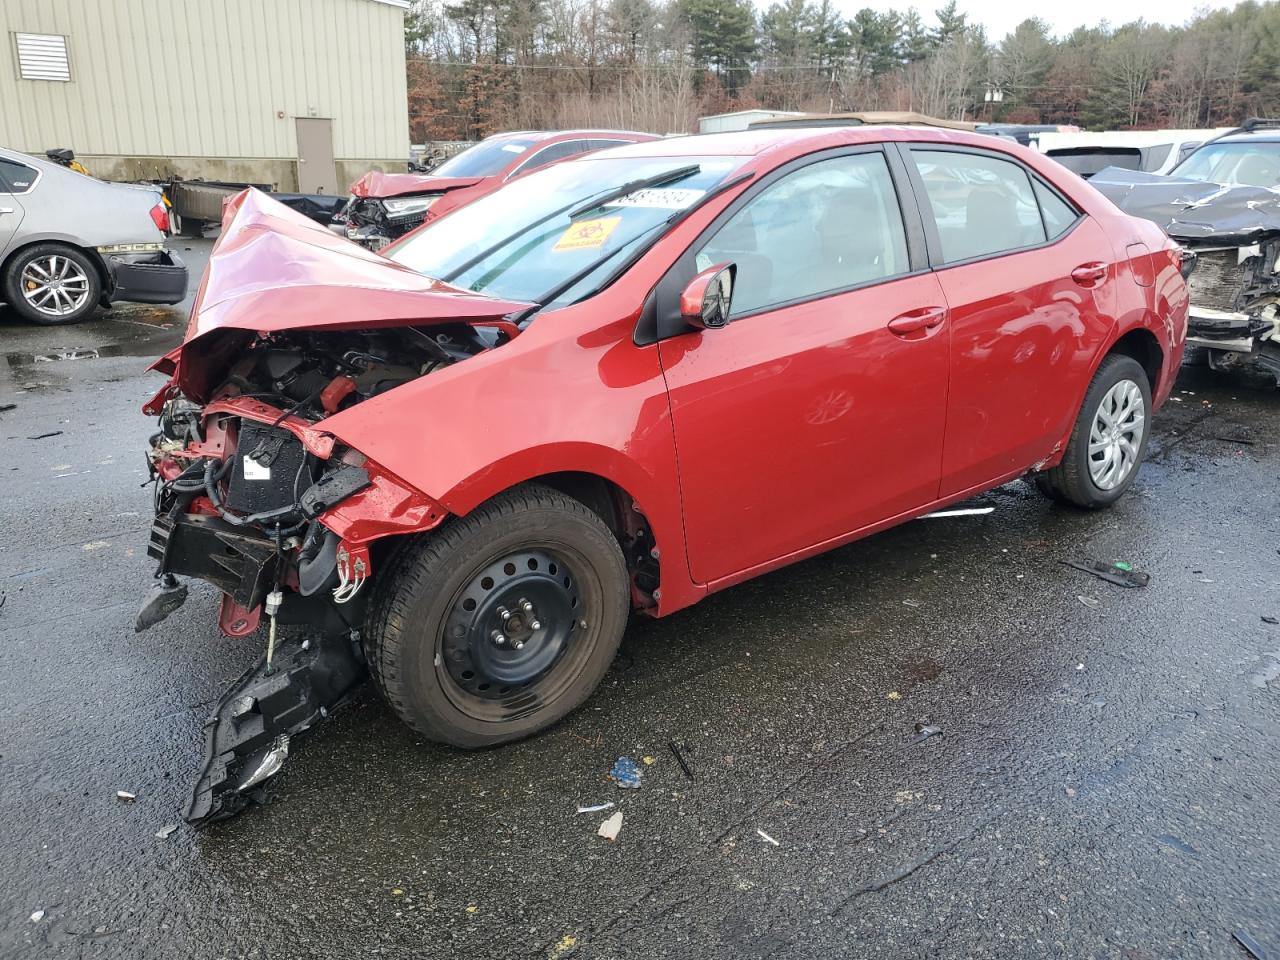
(1001, 16)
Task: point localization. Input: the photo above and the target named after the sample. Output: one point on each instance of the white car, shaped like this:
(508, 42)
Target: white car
(70, 243)
(1151, 151)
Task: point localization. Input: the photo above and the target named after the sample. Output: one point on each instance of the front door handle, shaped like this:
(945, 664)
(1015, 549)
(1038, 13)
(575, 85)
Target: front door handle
(917, 321)
(1088, 274)
(6, 209)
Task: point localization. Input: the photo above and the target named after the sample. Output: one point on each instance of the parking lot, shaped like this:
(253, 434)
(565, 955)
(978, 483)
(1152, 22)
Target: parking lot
(1103, 784)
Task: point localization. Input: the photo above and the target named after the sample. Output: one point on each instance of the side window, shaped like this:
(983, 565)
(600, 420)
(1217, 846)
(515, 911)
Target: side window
(15, 177)
(1057, 213)
(605, 144)
(827, 226)
(557, 151)
(982, 205)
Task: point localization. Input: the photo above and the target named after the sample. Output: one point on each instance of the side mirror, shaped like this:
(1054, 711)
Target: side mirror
(706, 300)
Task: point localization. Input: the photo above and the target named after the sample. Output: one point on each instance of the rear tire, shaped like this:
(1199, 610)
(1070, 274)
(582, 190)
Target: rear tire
(52, 284)
(1109, 441)
(445, 620)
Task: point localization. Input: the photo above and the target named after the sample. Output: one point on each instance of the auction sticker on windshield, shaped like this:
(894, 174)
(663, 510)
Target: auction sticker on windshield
(587, 234)
(670, 199)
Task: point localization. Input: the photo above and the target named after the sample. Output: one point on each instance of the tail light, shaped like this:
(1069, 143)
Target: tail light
(160, 217)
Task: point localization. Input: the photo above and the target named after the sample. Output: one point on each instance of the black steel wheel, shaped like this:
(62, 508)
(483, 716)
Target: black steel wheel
(501, 622)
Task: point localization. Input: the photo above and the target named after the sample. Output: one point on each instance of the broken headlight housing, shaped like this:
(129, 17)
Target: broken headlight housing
(408, 208)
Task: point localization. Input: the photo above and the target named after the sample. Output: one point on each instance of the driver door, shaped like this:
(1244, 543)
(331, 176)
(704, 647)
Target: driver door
(819, 410)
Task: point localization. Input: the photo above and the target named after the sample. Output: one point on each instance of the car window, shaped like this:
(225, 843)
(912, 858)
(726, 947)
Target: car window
(1240, 163)
(606, 144)
(827, 226)
(15, 177)
(1058, 214)
(557, 151)
(484, 159)
(982, 205)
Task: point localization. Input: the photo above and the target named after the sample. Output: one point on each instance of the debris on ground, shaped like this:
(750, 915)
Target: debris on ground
(768, 839)
(1244, 441)
(675, 752)
(46, 436)
(126, 796)
(1121, 574)
(893, 695)
(564, 946)
(649, 761)
(1091, 602)
(964, 512)
(924, 731)
(609, 829)
(626, 773)
(6, 407)
(596, 808)
(1271, 620)
(37, 916)
(1255, 949)
(166, 831)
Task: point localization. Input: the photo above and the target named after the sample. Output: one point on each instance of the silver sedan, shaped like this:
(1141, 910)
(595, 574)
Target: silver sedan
(70, 243)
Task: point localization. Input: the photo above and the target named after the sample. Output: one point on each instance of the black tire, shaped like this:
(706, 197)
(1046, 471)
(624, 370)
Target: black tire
(12, 284)
(1072, 482)
(422, 639)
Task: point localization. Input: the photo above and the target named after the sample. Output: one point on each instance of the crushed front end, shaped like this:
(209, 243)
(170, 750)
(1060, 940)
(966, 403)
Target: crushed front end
(1235, 303)
(252, 496)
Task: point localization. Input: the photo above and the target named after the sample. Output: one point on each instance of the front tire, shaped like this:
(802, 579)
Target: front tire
(1109, 441)
(52, 284)
(501, 622)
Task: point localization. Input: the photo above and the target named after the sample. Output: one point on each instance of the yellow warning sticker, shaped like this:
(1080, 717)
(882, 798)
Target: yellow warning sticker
(587, 234)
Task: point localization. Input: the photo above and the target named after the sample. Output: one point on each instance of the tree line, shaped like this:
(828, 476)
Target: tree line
(480, 66)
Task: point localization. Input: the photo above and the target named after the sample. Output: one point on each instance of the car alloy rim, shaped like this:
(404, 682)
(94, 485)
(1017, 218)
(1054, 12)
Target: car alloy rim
(1115, 436)
(512, 638)
(55, 285)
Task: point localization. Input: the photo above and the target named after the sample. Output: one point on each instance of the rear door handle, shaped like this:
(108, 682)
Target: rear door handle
(917, 321)
(1088, 274)
(6, 209)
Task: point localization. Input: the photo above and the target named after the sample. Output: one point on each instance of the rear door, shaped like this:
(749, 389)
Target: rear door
(808, 416)
(1028, 280)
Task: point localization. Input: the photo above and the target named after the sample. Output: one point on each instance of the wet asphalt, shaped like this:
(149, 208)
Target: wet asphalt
(1105, 783)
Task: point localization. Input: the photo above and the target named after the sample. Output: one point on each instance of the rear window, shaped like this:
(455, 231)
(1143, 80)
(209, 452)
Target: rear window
(1086, 161)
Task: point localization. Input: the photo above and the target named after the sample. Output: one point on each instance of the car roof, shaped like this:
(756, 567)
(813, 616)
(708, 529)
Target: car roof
(1257, 136)
(748, 143)
(545, 136)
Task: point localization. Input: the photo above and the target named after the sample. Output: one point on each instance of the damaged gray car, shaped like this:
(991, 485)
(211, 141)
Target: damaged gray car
(1222, 203)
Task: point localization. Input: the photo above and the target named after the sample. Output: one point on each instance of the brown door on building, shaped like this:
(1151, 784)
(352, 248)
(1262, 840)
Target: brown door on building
(317, 172)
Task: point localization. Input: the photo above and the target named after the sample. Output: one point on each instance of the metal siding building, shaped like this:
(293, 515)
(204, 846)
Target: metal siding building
(209, 88)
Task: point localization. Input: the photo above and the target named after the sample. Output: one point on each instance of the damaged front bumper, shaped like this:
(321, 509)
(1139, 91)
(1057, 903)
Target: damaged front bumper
(1235, 305)
(153, 276)
(281, 520)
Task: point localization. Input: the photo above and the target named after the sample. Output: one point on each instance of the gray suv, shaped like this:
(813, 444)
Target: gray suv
(70, 243)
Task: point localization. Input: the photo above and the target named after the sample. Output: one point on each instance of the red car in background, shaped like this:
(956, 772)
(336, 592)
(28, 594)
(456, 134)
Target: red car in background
(386, 206)
(621, 384)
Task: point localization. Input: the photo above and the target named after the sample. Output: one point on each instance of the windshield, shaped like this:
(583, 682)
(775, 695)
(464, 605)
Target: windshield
(1242, 163)
(538, 232)
(484, 159)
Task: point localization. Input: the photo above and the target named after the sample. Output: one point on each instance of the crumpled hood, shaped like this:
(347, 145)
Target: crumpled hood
(375, 184)
(273, 269)
(1192, 210)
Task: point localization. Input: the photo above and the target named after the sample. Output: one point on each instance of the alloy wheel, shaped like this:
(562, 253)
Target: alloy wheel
(55, 285)
(1115, 436)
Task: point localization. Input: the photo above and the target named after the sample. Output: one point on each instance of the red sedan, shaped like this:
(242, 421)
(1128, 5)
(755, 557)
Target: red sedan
(386, 206)
(618, 385)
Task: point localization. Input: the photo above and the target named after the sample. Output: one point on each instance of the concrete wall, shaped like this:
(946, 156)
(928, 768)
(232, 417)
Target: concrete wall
(210, 87)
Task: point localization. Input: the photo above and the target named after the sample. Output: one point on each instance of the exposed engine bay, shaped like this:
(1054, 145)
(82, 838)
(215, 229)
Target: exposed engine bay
(1235, 304)
(253, 498)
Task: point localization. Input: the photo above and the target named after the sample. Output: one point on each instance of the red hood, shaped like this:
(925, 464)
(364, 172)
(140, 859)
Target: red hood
(375, 184)
(274, 269)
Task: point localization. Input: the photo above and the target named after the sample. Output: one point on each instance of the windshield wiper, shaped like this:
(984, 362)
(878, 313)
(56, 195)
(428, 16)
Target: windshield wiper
(573, 211)
(657, 180)
(551, 295)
